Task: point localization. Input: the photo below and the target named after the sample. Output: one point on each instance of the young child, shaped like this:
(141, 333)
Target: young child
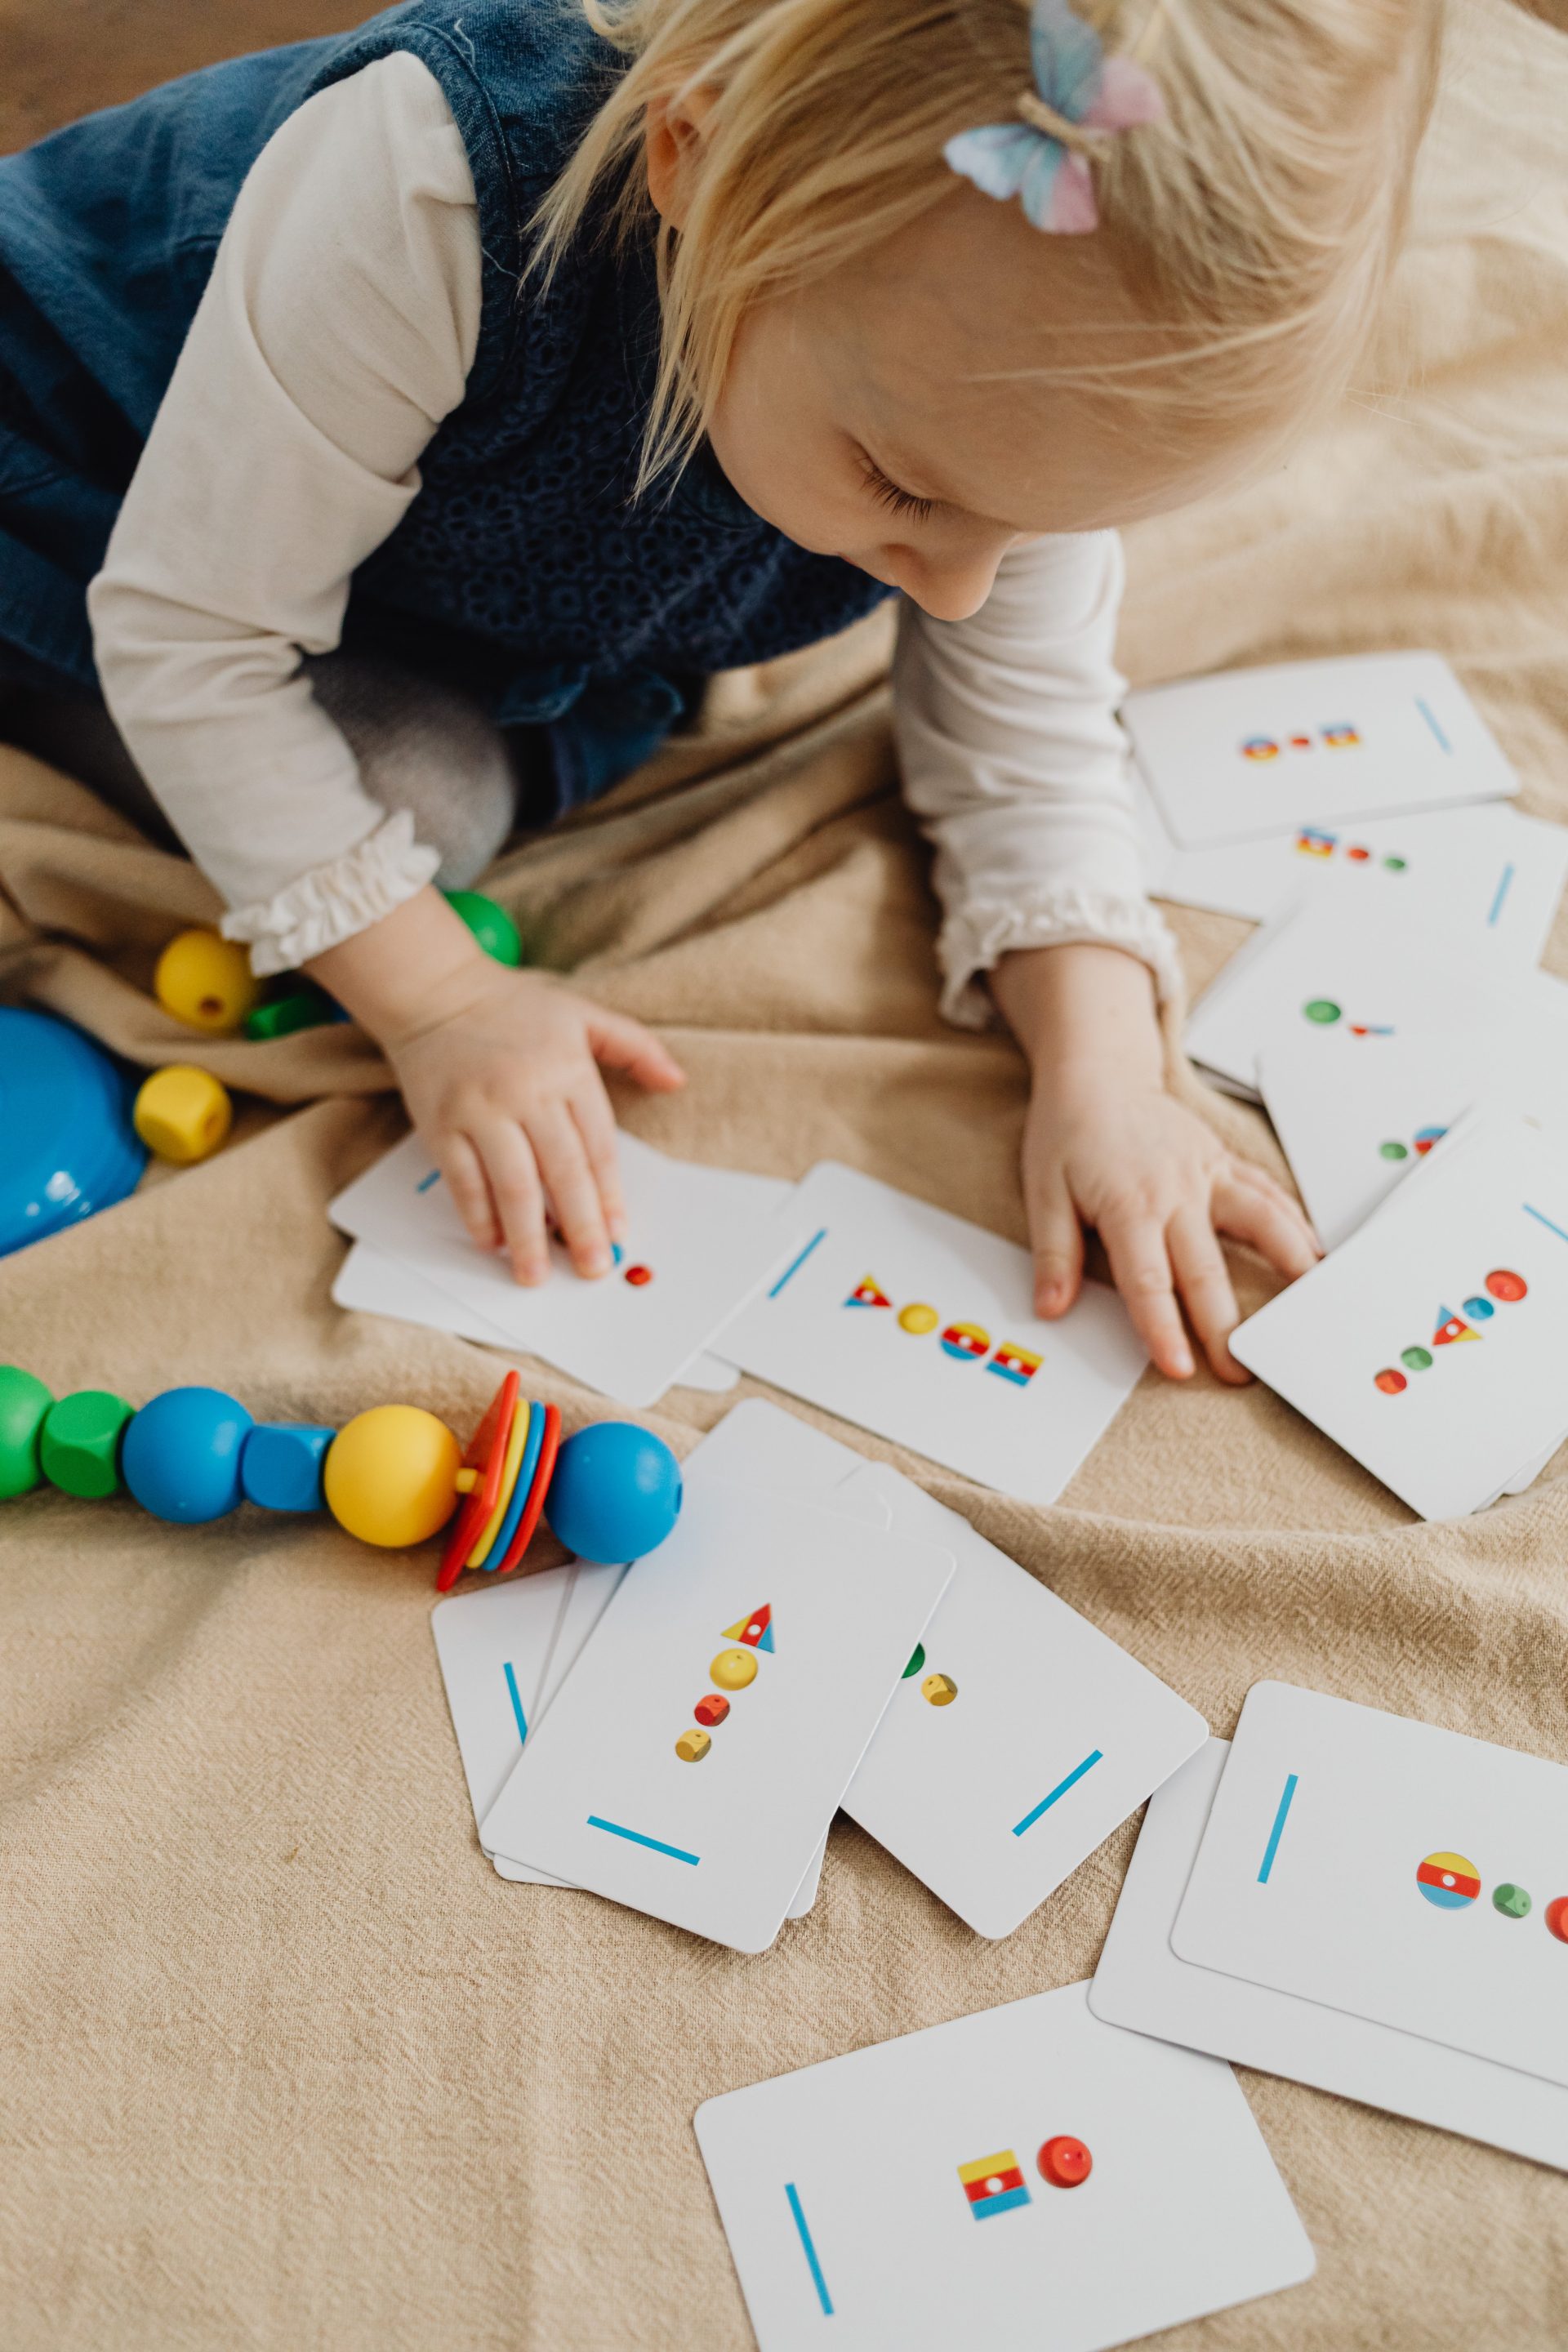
(438, 403)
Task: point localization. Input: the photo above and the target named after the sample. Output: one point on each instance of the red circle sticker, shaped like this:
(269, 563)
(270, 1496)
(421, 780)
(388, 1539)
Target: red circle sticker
(1389, 1380)
(1508, 1287)
(1065, 2162)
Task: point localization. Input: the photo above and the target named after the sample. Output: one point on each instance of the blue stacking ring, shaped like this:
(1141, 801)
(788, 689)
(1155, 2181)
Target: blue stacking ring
(525, 1470)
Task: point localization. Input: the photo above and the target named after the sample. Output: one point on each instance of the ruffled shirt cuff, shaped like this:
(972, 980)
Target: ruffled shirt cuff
(335, 901)
(976, 936)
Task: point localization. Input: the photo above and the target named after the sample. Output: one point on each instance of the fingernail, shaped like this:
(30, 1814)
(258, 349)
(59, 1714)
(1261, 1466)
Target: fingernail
(1182, 1365)
(596, 1263)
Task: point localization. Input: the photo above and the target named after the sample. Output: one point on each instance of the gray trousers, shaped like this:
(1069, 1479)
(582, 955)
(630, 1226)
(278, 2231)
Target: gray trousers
(422, 747)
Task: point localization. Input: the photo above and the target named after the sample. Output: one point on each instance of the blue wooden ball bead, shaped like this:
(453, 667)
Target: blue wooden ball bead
(615, 1493)
(181, 1457)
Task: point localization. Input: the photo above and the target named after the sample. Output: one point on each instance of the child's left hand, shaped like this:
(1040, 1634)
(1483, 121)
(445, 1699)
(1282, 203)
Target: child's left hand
(1157, 1185)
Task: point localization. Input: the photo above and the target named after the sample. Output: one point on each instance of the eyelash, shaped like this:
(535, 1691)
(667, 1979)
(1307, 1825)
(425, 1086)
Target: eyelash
(899, 502)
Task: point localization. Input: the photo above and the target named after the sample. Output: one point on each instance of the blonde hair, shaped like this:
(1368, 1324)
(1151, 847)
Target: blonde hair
(1254, 224)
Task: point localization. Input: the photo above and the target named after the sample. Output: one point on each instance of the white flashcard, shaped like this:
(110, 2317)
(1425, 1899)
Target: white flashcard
(1315, 966)
(1019, 1738)
(701, 1241)
(1354, 1124)
(1404, 1874)
(1252, 752)
(494, 1649)
(504, 1657)
(921, 1326)
(1429, 1345)
(692, 1760)
(371, 1283)
(1140, 1984)
(1481, 865)
(1028, 2176)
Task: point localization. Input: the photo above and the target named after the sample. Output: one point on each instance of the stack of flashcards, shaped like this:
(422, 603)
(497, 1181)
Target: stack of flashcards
(1354, 1123)
(817, 1633)
(1247, 772)
(1371, 1905)
(889, 1312)
(703, 1239)
(1028, 2176)
(1428, 1345)
(1330, 971)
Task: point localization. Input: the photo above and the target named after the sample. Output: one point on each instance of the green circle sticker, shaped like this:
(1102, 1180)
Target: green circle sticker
(1417, 1360)
(1392, 1151)
(1394, 864)
(1322, 1010)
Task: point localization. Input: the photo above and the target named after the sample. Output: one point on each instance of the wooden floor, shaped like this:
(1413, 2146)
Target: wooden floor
(59, 58)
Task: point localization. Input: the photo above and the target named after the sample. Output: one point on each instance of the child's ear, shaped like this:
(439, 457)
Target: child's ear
(675, 132)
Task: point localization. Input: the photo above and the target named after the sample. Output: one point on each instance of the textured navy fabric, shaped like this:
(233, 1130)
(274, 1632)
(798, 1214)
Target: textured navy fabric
(524, 570)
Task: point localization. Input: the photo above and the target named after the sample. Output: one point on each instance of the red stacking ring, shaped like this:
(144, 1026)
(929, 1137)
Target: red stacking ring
(492, 1434)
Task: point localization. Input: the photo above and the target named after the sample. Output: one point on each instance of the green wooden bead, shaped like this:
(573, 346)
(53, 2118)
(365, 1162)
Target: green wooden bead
(490, 925)
(79, 1446)
(24, 1402)
(305, 1006)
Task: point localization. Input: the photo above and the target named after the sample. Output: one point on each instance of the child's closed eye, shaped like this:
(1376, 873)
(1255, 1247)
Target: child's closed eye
(886, 492)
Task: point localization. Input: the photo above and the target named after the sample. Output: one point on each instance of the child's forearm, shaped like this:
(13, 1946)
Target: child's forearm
(417, 967)
(1083, 1014)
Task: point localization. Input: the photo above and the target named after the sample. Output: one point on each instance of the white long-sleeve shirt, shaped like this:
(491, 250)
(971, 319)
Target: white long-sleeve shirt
(337, 331)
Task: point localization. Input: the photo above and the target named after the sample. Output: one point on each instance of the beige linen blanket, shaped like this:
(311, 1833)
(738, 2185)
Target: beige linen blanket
(282, 2062)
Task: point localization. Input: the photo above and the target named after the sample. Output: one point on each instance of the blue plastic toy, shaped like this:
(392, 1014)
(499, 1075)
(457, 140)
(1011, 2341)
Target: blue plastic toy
(181, 1456)
(280, 1467)
(67, 1144)
(615, 1493)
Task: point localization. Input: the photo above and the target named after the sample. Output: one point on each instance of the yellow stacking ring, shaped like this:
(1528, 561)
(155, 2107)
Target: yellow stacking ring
(516, 1440)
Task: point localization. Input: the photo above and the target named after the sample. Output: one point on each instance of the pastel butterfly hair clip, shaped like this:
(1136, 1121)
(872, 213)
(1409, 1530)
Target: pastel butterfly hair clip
(1081, 98)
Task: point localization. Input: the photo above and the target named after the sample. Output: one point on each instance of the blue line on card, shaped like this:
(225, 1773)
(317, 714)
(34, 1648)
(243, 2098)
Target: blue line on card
(795, 1263)
(1426, 710)
(1278, 1831)
(1059, 1790)
(1544, 1221)
(426, 1181)
(635, 1837)
(1504, 883)
(516, 1702)
(817, 2281)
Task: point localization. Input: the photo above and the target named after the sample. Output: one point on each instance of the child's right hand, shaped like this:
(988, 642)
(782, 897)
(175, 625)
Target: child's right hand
(499, 1070)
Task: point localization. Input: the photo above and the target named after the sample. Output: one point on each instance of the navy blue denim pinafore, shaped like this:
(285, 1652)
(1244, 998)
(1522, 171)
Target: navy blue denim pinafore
(524, 570)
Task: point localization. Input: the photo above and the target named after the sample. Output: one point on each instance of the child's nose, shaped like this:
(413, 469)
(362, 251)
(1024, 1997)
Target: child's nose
(949, 587)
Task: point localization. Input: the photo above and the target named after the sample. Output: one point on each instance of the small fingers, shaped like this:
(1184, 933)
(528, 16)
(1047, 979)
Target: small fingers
(574, 1194)
(596, 1126)
(1206, 1289)
(1268, 1220)
(621, 1043)
(518, 1197)
(1141, 1269)
(1056, 1238)
(460, 1165)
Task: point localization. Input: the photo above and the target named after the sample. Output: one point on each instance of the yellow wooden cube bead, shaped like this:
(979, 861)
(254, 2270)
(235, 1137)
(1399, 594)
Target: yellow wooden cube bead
(183, 1113)
(206, 982)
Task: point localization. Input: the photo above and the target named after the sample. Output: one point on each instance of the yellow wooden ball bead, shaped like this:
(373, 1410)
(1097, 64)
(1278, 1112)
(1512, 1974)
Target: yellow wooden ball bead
(391, 1474)
(206, 981)
(183, 1113)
